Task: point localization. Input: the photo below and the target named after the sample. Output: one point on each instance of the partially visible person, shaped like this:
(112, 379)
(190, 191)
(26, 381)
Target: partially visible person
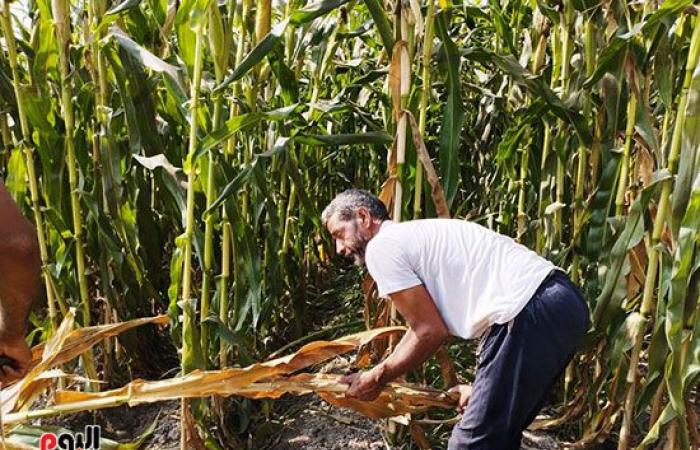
(20, 268)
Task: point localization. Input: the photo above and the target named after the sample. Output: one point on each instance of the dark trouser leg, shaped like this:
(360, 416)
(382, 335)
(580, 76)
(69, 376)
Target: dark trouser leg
(517, 367)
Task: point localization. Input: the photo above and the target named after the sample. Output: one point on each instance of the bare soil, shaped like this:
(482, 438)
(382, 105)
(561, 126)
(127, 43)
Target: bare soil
(124, 424)
(319, 426)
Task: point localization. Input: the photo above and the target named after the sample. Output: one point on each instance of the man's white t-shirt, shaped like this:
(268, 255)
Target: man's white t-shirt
(476, 277)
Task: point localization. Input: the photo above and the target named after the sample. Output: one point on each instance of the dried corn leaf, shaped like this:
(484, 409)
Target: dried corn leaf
(436, 191)
(268, 379)
(319, 351)
(396, 399)
(419, 436)
(229, 381)
(42, 382)
(20, 391)
(63, 346)
(83, 338)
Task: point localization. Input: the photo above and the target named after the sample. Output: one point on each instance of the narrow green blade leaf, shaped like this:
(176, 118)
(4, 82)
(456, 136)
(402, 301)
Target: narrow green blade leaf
(314, 10)
(265, 46)
(148, 59)
(374, 137)
(123, 6)
(453, 115)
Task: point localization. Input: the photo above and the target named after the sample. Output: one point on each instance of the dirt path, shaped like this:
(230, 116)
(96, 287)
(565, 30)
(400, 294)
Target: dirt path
(318, 426)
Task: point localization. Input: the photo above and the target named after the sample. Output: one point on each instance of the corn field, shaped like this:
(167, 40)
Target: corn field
(174, 157)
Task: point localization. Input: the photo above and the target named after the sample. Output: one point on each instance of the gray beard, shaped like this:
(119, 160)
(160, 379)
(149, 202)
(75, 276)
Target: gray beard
(358, 256)
(358, 260)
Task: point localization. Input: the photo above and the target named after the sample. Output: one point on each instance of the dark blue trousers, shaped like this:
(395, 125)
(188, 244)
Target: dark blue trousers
(518, 365)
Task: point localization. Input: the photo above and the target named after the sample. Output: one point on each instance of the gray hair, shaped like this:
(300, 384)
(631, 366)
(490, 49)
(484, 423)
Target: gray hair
(346, 203)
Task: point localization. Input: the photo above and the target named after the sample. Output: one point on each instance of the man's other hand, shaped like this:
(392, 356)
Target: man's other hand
(465, 391)
(17, 352)
(363, 385)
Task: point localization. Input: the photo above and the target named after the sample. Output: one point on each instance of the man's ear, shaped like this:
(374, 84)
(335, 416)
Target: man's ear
(364, 217)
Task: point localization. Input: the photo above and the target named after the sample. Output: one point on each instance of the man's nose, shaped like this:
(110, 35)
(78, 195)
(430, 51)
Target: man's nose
(340, 248)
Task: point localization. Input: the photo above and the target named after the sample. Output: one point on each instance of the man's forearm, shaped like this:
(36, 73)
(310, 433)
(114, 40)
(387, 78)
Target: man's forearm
(14, 314)
(410, 352)
(18, 289)
(19, 267)
(19, 279)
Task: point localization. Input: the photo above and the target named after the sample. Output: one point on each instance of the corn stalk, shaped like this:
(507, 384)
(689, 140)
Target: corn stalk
(647, 306)
(190, 343)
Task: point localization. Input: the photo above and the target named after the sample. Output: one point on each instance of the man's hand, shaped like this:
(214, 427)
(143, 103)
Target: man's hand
(363, 385)
(14, 351)
(465, 391)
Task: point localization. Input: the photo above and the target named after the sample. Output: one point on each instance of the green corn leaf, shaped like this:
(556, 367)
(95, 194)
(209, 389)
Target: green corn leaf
(654, 433)
(690, 142)
(631, 235)
(124, 6)
(676, 312)
(612, 53)
(242, 122)
(219, 40)
(381, 21)
(377, 137)
(453, 115)
(536, 85)
(261, 50)
(148, 59)
(45, 47)
(314, 10)
(15, 182)
(191, 15)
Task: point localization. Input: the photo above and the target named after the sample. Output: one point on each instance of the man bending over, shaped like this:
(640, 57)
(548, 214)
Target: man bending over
(453, 277)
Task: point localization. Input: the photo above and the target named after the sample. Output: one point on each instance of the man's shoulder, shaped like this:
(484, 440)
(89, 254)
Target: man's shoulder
(410, 230)
(390, 239)
(433, 225)
(410, 233)
(430, 222)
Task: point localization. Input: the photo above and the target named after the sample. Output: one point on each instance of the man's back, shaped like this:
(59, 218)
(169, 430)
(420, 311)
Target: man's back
(475, 276)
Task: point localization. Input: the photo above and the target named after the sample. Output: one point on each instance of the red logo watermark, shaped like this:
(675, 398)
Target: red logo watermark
(89, 440)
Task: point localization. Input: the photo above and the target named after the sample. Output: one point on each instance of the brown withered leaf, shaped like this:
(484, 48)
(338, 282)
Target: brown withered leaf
(419, 436)
(644, 168)
(25, 387)
(369, 293)
(83, 338)
(638, 266)
(436, 191)
(195, 384)
(396, 399)
(400, 51)
(377, 348)
(191, 436)
(269, 379)
(62, 347)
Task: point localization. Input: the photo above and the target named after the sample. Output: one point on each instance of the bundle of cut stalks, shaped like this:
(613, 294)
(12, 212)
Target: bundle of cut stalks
(269, 379)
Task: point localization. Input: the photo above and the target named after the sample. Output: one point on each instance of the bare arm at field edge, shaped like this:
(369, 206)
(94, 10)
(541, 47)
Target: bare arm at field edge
(19, 282)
